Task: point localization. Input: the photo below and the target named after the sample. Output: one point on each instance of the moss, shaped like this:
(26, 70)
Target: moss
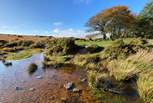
(32, 68)
(22, 54)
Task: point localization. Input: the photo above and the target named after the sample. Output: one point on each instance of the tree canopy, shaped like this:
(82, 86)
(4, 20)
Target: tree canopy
(145, 21)
(117, 20)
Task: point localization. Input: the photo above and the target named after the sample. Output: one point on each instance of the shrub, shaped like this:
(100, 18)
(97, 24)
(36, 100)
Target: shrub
(138, 42)
(19, 43)
(94, 48)
(61, 46)
(13, 49)
(3, 42)
(25, 43)
(39, 44)
(11, 44)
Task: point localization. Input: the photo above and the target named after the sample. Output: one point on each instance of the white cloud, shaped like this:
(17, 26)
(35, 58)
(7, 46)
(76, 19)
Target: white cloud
(82, 1)
(8, 29)
(57, 23)
(70, 32)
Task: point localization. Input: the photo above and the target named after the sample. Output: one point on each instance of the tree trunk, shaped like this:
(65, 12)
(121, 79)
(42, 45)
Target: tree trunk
(104, 36)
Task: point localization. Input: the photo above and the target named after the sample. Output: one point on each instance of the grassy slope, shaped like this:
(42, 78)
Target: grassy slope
(102, 43)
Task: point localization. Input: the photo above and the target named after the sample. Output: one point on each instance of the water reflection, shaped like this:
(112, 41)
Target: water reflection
(17, 86)
(10, 75)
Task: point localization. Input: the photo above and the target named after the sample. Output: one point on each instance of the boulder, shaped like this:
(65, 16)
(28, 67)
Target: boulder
(69, 86)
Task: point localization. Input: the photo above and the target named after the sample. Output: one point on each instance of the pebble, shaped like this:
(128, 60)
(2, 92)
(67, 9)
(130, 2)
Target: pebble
(83, 80)
(76, 90)
(63, 99)
(18, 88)
(31, 89)
(69, 86)
(8, 63)
(39, 77)
(52, 97)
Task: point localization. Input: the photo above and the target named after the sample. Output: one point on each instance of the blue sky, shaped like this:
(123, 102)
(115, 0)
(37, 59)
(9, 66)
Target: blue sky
(54, 17)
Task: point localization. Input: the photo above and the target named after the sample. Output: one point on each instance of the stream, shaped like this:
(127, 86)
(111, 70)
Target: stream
(44, 86)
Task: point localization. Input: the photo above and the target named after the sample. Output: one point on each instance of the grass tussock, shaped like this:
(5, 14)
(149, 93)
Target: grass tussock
(140, 64)
(32, 68)
(87, 60)
(97, 81)
(121, 49)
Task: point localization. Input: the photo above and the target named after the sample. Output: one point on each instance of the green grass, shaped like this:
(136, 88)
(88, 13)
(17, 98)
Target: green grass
(22, 54)
(86, 60)
(56, 60)
(102, 43)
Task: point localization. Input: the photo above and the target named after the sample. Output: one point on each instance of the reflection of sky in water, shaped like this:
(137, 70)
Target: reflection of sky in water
(11, 75)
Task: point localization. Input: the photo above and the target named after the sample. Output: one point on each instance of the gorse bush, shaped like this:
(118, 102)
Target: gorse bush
(61, 46)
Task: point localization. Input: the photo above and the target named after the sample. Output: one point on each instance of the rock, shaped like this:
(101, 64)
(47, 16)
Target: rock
(23, 81)
(76, 90)
(83, 80)
(7, 63)
(52, 97)
(114, 91)
(63, 99)
(3, 61)
(60, 86)
(18, 88)
(31, 89)
(39, 77)
(69, 86)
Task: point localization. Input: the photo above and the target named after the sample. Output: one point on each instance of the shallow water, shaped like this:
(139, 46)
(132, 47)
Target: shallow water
(16, 83)
(49, 89)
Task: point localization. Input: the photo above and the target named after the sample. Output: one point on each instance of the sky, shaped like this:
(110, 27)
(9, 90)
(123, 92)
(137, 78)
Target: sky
(55, 17)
